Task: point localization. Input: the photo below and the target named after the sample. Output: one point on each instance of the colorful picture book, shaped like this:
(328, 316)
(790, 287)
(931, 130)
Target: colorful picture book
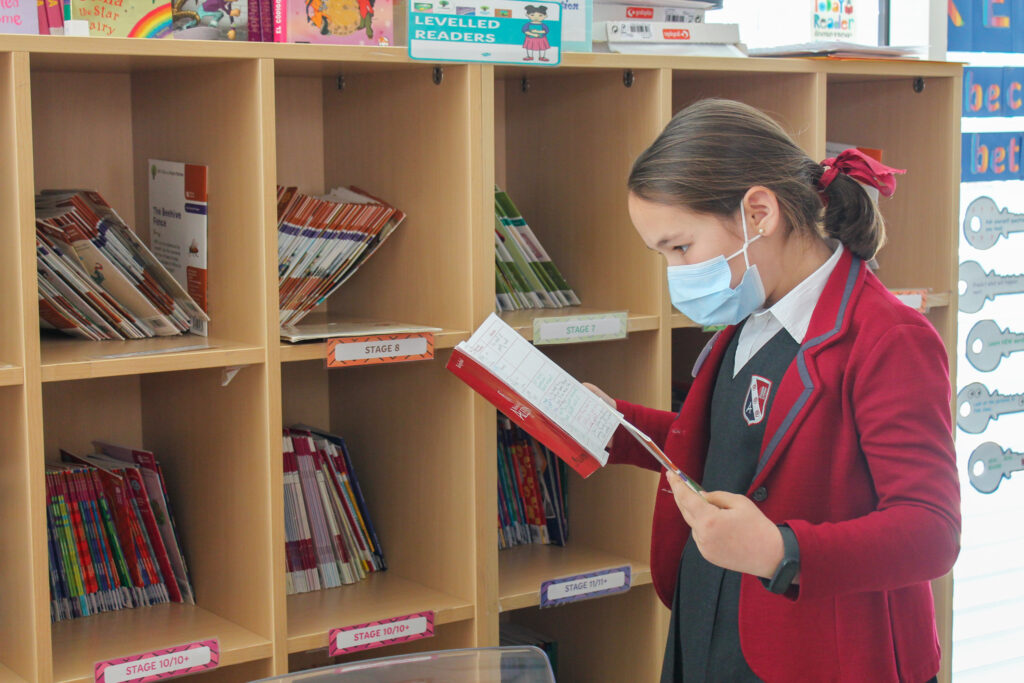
(525, 276)
(125, 19)
(111, 534)
(322, 242)
(214, 19)
(329, 538)
(339, 22)
(22, 16)
(532, 490)
(97, 279)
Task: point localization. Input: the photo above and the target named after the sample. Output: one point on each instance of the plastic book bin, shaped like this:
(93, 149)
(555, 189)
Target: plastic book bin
(519, 664)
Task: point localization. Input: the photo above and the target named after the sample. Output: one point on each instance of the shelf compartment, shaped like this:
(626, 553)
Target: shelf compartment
(123, 119)
(616, 638)
(8, 676)
(64, 358)
(80, 643)
(563, 146)
(792, 99)
(360, 133)
(522, 321)
(522, 570)
(211, 442)
(312, 615)
(409, 432)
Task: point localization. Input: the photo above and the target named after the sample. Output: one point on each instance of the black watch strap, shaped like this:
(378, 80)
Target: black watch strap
(789, 567)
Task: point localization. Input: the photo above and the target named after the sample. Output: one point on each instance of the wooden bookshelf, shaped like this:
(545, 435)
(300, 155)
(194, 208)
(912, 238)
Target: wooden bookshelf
(433, 140)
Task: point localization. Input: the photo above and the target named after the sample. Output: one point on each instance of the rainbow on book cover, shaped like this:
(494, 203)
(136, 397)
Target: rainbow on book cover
(125, 18)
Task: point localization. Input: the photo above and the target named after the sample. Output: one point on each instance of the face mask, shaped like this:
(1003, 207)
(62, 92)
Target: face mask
(702, 291)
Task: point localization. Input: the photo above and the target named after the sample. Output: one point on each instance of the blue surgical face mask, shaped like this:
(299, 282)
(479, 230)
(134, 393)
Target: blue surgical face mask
(703, 292)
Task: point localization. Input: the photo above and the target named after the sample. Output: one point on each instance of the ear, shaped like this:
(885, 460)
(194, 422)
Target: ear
(763, 215)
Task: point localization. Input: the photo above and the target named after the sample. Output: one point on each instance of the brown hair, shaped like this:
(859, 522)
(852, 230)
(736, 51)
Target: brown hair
(715, 150)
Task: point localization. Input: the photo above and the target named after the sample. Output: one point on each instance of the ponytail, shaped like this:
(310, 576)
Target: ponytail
(852, 217)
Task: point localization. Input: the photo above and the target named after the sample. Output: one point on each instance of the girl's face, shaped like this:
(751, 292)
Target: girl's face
(536, 16)
(685, 237)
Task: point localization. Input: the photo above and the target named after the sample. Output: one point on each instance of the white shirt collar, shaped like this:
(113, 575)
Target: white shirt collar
(794, 310)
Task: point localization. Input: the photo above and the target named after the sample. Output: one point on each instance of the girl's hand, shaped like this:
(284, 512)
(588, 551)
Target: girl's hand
(604, 397)
(729, 530)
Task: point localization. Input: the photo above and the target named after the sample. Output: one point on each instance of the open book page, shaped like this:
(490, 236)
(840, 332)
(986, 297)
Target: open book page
(518, 363)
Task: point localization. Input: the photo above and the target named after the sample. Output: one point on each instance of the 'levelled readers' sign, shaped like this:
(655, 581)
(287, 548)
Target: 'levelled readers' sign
(498, 31)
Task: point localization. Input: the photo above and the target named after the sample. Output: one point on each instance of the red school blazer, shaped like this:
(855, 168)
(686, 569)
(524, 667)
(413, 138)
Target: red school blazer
(858, 460)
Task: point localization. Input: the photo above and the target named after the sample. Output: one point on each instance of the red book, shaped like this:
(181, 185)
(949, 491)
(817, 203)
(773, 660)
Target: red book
(522, 412)
(137, 488)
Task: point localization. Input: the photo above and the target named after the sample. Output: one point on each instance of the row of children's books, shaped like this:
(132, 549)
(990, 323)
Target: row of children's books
(111, 534)
(532, 490)
(329, 538)
(322, 242)
(525, 276)
(349, 22)
(97, 279)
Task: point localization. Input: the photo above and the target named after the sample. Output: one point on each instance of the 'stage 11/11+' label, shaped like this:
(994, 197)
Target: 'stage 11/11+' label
(584, 586)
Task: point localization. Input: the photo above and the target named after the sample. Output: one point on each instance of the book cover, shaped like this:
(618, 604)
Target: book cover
(124, 18)
(338, 22)
(19, 16)
(212, 19)
(178, 224)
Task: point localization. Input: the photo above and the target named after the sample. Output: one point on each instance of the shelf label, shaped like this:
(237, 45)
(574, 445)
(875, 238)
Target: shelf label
(915, 298)
(525, 32)
(585, 586)
(580, 328)
(380, 633)
(382, 348)
(160, 664)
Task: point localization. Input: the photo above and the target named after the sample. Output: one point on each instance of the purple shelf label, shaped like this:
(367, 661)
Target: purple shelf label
(585, 586)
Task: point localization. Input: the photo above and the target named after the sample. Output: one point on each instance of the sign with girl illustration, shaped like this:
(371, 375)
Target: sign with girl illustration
(496, 31)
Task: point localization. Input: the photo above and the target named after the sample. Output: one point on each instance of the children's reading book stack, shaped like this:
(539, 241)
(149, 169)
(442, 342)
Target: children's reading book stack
(329, 538)
(111, 534)
(97, 279)
(532, 490)
(322, 242)
(525, 275)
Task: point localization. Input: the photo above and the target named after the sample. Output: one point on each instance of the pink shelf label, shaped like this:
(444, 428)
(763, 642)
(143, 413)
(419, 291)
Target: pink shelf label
(380, 633)
(160, 664)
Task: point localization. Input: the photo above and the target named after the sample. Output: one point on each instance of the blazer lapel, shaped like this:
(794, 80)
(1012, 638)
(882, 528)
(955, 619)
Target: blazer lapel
(800, 386)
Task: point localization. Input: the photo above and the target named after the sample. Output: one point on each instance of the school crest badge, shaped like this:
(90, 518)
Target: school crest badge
(755, 406)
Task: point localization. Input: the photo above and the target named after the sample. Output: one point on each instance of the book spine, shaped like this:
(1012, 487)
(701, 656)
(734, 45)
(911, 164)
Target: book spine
(266, 33)
(364, 511)
(163, 561)
(280, 21)
(252, 21)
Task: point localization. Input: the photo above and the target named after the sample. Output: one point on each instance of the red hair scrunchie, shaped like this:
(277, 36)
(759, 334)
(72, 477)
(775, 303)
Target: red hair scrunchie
(861, 168)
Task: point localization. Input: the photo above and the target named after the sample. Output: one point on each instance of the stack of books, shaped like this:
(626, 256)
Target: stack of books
(111, 535)
(662, 27)
(322, 242)
(329, 538)
(532, 490)
(525, 276)
(97, 279)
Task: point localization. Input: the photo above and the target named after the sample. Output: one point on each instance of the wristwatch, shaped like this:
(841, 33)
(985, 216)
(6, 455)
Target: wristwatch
(789, 567)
